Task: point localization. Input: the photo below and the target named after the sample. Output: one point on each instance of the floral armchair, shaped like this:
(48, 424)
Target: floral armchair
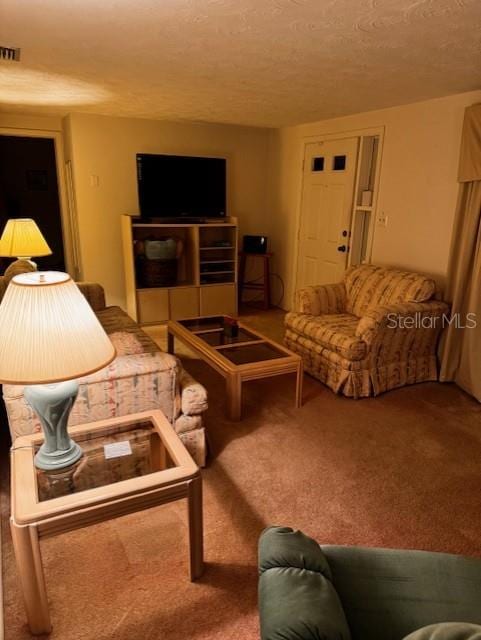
(376, 330)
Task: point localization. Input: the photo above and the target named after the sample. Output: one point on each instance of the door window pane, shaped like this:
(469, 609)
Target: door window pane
(339, 163)
(318, 164)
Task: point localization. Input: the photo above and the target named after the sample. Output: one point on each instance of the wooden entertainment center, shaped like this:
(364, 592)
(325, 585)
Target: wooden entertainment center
(206, 280)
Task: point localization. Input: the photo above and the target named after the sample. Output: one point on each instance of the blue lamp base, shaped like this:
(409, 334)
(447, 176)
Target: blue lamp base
(52, 403)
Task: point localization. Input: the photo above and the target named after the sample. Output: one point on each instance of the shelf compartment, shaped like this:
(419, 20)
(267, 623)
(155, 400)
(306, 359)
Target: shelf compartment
(221, 238)
(185, 268)
(216, 278)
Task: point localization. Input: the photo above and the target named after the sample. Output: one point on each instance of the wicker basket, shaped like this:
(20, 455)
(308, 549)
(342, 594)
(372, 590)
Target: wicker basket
(156, 273)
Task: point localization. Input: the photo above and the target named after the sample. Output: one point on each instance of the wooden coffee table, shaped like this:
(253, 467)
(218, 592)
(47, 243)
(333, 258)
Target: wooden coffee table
(129, 464)
(247, 356)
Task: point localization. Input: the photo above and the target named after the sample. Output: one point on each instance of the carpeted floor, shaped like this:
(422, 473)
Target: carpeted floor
(401, 470)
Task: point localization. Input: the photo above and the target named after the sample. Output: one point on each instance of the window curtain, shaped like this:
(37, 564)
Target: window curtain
(460, 351)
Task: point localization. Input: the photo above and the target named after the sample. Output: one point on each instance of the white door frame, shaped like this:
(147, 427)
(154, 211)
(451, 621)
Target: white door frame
(70, 240)
(353, 133)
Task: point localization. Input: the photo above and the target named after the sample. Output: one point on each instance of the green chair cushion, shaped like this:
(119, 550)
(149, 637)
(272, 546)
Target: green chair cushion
(447, 631)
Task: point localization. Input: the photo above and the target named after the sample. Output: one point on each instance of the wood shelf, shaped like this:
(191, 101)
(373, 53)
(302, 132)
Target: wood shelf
(218, 284)
(214, 273)
(215, 248)
(215, 261)
(181, 285)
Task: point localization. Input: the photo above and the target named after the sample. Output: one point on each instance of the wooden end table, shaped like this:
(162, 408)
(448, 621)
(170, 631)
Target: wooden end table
(249, 355)
(130, 463)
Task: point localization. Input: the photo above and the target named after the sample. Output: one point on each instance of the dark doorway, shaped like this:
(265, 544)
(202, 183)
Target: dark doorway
(29, 189)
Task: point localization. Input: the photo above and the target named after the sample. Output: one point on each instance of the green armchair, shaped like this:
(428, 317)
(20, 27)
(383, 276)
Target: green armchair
(313, 592)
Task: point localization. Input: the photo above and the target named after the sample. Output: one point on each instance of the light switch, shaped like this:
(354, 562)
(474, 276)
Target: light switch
(94, 180)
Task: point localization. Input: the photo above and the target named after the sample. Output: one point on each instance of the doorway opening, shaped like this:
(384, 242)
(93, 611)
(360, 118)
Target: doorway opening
(29, 188)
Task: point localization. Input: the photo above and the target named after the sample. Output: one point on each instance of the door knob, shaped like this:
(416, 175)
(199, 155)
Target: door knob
(342, 248)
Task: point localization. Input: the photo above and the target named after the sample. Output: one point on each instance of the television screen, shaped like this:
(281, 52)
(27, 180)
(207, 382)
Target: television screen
(181, 186)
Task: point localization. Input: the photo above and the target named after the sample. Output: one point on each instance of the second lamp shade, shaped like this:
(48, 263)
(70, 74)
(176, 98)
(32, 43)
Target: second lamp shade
(22, 238)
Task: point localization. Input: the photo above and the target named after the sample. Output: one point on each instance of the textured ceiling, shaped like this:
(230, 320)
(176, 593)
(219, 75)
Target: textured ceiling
(253, 62)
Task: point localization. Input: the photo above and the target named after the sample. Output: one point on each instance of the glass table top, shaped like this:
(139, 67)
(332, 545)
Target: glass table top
(113, 454)
(252, 353)
(203, 324)
(220, 338)
(244, 348)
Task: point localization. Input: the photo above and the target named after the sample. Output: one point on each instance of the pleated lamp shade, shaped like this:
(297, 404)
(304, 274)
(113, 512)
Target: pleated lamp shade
(22, 238)
(48, 331)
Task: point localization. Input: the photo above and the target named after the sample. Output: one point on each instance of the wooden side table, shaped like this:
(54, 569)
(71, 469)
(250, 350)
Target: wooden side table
(264, 286)
(106, 483)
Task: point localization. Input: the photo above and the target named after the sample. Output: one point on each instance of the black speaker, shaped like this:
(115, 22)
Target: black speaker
(255, 244)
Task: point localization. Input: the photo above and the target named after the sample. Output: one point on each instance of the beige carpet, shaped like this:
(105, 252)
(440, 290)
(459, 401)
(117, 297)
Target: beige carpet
(401, 470)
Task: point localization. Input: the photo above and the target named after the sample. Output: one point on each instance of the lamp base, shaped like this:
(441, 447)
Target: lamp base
(52, 403)
(58, 459)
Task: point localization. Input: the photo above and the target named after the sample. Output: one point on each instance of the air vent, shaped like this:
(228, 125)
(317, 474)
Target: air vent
(9, 53)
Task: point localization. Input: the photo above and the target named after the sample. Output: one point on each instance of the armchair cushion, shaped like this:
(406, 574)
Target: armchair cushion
(369, 285)
(335, 332)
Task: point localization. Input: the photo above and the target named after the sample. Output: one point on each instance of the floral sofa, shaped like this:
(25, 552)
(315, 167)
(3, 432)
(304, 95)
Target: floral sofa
(140, 378)
(376, 330)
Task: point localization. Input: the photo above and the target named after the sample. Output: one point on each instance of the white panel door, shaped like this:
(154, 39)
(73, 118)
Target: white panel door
(327, 196)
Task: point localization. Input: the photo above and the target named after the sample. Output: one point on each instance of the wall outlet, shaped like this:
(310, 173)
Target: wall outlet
(382, 219)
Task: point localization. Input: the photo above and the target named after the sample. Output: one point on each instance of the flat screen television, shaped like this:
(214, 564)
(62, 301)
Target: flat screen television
(181, 186)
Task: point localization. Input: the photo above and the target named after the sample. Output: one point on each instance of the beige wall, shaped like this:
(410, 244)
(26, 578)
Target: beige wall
(17, 121)
(417, 188)
(106, 147)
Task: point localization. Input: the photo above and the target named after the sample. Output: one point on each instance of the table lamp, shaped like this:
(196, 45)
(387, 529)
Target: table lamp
(49, 335)
(22, 239)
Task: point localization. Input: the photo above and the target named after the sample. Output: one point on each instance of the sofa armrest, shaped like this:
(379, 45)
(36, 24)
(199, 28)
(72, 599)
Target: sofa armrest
(380, 322)
(94, 293)
(327, 298)
(193, 396)
(297, 600)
